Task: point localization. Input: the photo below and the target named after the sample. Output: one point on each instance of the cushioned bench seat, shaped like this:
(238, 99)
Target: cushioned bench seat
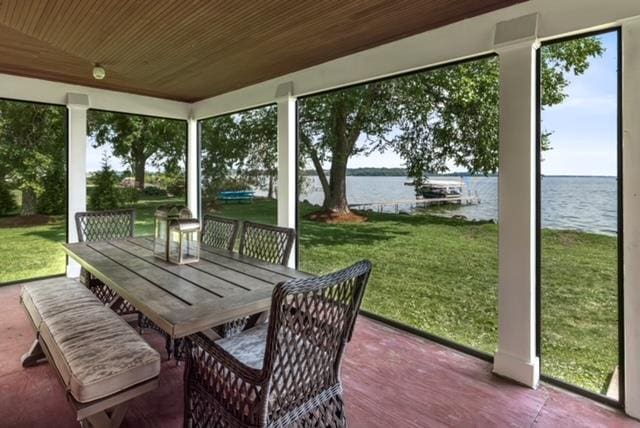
(45, 299)
(95, 352)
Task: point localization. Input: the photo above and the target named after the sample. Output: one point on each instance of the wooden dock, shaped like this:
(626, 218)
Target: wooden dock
(462, 200)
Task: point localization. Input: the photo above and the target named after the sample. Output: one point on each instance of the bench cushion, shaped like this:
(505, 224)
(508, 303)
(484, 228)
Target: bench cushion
(95, 351)
(45, 299)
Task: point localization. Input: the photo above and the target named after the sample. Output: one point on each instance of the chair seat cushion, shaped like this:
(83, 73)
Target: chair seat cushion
(95, 351)
(248, 347)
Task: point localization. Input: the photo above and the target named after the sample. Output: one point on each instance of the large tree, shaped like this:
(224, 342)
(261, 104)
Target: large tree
(139, 139)
(33, 155)
(431, 119)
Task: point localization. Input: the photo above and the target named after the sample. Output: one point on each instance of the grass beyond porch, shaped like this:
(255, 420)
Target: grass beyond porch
(436, 274)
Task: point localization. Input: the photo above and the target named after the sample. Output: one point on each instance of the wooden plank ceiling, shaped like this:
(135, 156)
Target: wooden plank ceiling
(193, 49)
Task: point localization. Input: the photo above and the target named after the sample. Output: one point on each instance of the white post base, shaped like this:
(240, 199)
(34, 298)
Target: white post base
(524, 372)
(73, 269)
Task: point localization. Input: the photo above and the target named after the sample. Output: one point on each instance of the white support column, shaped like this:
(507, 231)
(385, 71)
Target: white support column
(516, 356)
(192, 166)
(287, 161)
(631, 211)
(77, 105)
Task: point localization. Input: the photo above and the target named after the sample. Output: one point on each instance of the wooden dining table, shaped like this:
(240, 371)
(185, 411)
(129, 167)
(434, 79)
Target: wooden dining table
(183, 299)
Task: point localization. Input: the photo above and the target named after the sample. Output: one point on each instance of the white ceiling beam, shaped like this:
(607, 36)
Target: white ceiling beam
(46, 91)
(463, 39)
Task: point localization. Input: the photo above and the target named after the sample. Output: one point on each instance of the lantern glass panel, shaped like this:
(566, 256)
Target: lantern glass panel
(184, 241)
(191, 246)
(160, 241)
(164, 215)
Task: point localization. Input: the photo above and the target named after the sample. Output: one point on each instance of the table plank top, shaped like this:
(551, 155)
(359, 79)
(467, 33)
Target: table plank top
(183, 299)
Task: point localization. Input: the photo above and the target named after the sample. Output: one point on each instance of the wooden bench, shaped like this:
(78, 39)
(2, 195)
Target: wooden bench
(240, 196)
(101, 360)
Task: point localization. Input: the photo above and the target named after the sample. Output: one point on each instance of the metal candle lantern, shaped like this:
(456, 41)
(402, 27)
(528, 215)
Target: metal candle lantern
(184, 241)
(163, 216)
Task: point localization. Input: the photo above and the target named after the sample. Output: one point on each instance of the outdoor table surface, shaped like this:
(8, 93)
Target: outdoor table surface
(183, 299)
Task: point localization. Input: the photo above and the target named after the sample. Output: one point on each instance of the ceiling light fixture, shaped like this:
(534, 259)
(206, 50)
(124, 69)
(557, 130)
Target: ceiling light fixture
(98, 72)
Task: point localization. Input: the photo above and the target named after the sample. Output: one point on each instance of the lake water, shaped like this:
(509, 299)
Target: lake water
(581, 203)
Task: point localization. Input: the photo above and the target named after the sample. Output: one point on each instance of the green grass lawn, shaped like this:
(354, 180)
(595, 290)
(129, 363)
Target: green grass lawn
(33, 251)
(439, 275)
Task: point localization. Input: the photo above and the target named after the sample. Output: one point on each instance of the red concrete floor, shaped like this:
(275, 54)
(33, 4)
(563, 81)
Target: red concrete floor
(391, 379)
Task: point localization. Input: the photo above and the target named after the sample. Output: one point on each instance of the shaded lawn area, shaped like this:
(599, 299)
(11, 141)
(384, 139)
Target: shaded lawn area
(32, 251)
(436, 274)
(35, 251)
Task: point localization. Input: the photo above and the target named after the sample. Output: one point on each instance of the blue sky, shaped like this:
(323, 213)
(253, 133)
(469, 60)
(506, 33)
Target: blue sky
(583, 127)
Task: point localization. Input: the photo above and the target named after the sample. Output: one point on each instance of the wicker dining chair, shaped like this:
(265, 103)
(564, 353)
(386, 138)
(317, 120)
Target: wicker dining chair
(102, 226)
(264, 242)
(286, 372)
(219, 232)
(268, 243)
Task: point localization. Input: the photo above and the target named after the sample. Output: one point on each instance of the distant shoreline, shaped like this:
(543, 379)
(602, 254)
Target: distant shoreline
(401, 172)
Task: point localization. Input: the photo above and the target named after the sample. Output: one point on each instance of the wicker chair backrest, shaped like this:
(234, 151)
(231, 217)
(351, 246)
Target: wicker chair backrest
(219, 232)
(268, 243)
(311, 322)
(105, 225)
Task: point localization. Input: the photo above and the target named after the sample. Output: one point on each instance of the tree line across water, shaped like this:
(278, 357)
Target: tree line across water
(431, 120)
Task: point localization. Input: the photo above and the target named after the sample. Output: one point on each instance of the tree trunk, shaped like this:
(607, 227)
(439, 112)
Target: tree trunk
(139, 173)
(29, 201)
(335, 201)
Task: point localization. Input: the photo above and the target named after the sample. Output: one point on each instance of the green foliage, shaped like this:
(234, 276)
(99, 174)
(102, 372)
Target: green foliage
(154, 191)
(32, 153)
(52, 200)
(130, 195)
(231, 184)
(105, 195)
(242, 145)
(175, 184)
(7, 199)
(138, 139)
(431, 119)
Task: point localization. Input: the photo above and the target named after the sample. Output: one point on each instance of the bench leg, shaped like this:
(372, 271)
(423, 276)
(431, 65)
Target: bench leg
(33, 356)
(107, 420)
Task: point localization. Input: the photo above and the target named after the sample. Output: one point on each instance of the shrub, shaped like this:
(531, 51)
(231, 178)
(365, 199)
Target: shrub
(175, 185)
(154, 191)
(105, 195)
(7, 200)
(130, 195)
(232, 184)
(52, 200)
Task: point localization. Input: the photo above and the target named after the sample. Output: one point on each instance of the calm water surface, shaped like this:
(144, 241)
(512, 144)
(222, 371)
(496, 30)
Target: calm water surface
(581, 203)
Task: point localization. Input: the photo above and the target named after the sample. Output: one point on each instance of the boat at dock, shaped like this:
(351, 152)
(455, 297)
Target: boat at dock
(431, 192)
(440, 188)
